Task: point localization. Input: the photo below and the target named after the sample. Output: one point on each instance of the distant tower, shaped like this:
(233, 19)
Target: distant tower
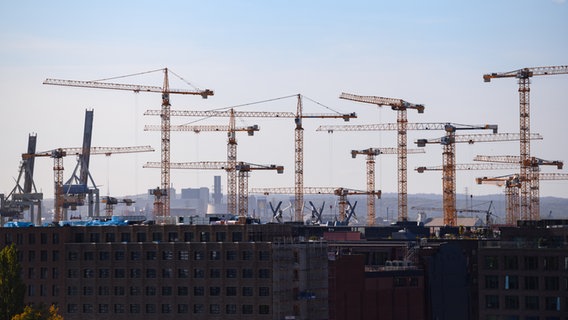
(217, 195)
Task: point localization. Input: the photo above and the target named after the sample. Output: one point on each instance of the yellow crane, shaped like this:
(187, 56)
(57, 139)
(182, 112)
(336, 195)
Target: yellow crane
(58, 155)
(231, 130)
(371, 153)
(534, 164)
(449, 160)
(298, 136)
(527, 176)
(243, 168)
(165, 90)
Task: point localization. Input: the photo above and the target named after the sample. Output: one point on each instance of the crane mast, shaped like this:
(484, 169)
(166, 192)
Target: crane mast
(528, 175)
(162, 203)
(401, 107)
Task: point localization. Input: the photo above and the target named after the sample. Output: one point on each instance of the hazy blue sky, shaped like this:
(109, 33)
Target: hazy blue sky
(429, 52)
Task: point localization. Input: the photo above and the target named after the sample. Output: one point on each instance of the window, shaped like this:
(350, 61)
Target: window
(43, 238)
(172, 236)
(511, 263)
(511, 282)
(156, 236)
(183, 291)
(95, 237)
(237, 236)
(183, 308)
(104, 255)
(247, 273)
(264, 291)
(55, 255)
(183, 273)
(72, 308)
(231, 309)
(531, 263)
(43, 255)
(220, 236)
(72, 273)
(264, 273)
(141, 237)
(231, 273)
(150, 291)
(198, 255)
(135, 255)
(214, 255)
(119, 255)
(166, 308)
(247, 309)
(55, 238)
(110, 237)
(551, 283)
(552, 303)
(198, 291)
(231, 255)
(150, 308)
(247, 291)
(204, 236)
(150, 273)
(214, 291)
(198, 308)
(214, 309)
(531, 283)
(134, 291)
(400, 282)
(104, 291)
(125, 237)
(119, 291)
(198, 273)
(491, 282)
(551, 263)
(231, 291)
(88, 273)
(188, 236)
(72, 256)
(88, 291)
(119, 273)
(246, 255)
(492, 302)
(531, 302)
(512, 302)
(184, 255)
(87, 308)
(215, 273)
(118, 308)
(89, 256)
(31, 238)
(167, 273)
(43, 273)
(103, 308)
(264, 309)
(104, 273)
(264, 256)
(31, 256)
(167, 291)
(134, 308)
(491, 263)
(167, 255)
(55, 273)
(135, 273)
(151, 255)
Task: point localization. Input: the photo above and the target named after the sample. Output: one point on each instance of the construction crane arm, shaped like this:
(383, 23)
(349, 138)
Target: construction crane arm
(396, 104)
(527, 73)
(128, 87)
(473, 166)
(62, 152)
(203, 128)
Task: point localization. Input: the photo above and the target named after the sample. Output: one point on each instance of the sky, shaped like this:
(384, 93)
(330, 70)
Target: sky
(429, 52)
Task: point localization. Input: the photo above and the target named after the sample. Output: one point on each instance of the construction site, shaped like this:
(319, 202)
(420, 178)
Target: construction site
(297, 251)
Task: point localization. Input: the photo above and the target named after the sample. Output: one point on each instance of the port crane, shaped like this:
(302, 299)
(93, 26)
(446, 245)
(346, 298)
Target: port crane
(527, 176)
(298, 136)
(534, 164)
(243, 169)
(427, 126)
(341, 192)
(21, 198)
(449, 164)
(60, 190)
(371, 153)
(231, 130)
(165, 90)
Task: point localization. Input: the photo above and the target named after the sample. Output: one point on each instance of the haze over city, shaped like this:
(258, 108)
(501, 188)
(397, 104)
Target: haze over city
(433, 53)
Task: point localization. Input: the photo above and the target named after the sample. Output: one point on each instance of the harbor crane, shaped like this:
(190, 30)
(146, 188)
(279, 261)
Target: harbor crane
(243, 168)
(401, 107)
(427, 126)
(527, 176)
(448, 160)
(534, 164)
(231, 130)
(298, 136)
(341, 192)
(165, 90)
(60, 190)
(371, 153)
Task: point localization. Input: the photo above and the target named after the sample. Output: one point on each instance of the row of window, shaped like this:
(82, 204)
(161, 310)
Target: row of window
(135, 273)
(183, 255)
(547, 263)
(157, 236)
(527, 303)
(167, 308)
(512, 282)
(44, 238)
(213, 291)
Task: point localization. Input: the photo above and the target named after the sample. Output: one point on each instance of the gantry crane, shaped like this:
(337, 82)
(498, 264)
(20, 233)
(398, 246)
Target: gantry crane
(58, 155)
(534, 164)
(428, 126)
(243, 168)
(165, 90)
(298, 136)
(341, 192)
(371, 153)
(231, 130)
(110, 202)
(448, 160)
(527, 176)
(401, 107)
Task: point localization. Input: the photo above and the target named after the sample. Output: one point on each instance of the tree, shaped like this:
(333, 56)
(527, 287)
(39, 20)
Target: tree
(12, 287)
(41, 313)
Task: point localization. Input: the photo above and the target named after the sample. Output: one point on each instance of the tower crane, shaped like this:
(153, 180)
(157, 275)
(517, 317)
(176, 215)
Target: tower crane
(58, 155)
(402, 186)
(165, 90)
(527, 176)
(534, 164)
(298, 136)
(341, 192)
(371, 153)
(401, 107)
(243, 168)
(448, 160)
(231, 130)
